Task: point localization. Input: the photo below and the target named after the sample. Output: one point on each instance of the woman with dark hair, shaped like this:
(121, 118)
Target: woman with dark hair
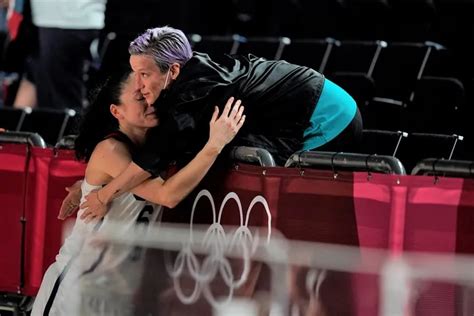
(114, 127)
(290, 107)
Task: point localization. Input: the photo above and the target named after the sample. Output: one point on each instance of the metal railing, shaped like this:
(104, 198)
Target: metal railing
(442, 167)
(33, 139)
(253, 155)
(346, 161)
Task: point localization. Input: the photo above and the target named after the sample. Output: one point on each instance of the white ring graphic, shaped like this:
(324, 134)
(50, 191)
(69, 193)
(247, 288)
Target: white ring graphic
(218, 242)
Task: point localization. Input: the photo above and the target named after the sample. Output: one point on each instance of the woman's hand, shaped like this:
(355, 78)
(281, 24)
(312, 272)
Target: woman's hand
(71, 202)
(224, 128)
(94, 208)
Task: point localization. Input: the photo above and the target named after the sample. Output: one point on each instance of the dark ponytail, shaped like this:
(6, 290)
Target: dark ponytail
(97, 121)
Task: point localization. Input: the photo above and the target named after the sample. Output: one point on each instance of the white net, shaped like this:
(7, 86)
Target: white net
(216, 270)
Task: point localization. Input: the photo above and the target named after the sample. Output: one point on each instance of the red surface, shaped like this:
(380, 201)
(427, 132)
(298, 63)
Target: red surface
(12, 182)
(52, 172)
(398, 213)
(39, 200)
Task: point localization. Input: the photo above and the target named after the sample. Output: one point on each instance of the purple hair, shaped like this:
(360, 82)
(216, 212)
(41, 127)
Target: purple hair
(165, 44)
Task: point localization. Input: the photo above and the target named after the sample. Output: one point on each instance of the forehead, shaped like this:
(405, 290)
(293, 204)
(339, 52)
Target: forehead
(129, 88)
(128, 83)
(142, 62)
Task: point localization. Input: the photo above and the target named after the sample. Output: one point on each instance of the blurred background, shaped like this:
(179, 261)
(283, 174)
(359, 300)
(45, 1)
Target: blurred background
(406, 62)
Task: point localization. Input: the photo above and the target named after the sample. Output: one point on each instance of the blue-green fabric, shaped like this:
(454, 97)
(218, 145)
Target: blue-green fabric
(333, 113)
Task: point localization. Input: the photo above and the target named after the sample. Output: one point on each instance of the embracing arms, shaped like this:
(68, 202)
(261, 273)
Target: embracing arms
(170, 192)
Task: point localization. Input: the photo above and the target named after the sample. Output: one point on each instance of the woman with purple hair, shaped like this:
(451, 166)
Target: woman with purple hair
(289, 107)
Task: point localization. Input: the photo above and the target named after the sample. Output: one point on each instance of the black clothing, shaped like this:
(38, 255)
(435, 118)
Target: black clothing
(60, 71)
(349, 139)
(278, 97)
(122, 137)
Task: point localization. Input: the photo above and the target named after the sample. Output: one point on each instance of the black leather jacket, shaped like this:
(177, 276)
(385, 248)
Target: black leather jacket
(279, 99)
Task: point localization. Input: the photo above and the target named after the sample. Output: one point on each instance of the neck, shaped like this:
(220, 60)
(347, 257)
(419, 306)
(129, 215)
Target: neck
(136, 135)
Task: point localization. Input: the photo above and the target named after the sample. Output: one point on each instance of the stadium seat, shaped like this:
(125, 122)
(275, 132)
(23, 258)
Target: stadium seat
(267, 47)
(51, 124)
(420, 146)
(383, 142)
(437, 106)
(310, 52)
(351, 66)
(398, 68)
(359, 85)
(444, 62)
(12, 118)
(216, 45)
(355, 56)
(387, 114)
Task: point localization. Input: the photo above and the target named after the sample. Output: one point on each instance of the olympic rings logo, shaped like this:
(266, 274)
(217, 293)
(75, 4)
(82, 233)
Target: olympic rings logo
(217, 241)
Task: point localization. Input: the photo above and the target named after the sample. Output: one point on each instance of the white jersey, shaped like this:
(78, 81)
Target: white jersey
(54, 296)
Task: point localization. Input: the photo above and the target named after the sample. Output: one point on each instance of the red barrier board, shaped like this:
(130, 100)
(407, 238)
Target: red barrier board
(12, 185)
(53, 172)
(397, 213)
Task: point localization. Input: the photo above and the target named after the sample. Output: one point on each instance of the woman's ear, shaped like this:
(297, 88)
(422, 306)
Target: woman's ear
(115, 111)
(175, 68)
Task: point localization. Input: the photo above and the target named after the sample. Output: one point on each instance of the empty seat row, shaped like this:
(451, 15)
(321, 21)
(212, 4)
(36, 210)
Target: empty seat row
(418, 78)
(354, 19)
(50, 124)
(329, 55)
(411, 148)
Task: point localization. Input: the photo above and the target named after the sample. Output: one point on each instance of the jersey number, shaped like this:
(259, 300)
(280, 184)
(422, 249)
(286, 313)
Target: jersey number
(143, 219)
(144, 216)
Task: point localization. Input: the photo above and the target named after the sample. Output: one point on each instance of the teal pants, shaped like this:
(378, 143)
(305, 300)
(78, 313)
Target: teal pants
(333, 113)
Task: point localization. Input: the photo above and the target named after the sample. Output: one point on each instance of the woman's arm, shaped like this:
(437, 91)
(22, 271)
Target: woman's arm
(173, 190)
(130, 176)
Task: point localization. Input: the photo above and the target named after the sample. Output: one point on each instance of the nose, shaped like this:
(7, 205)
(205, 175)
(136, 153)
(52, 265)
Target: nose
(138, 82)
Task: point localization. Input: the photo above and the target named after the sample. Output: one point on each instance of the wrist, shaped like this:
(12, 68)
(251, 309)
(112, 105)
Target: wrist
(103, 196)
(212, 149)
(101, 201)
